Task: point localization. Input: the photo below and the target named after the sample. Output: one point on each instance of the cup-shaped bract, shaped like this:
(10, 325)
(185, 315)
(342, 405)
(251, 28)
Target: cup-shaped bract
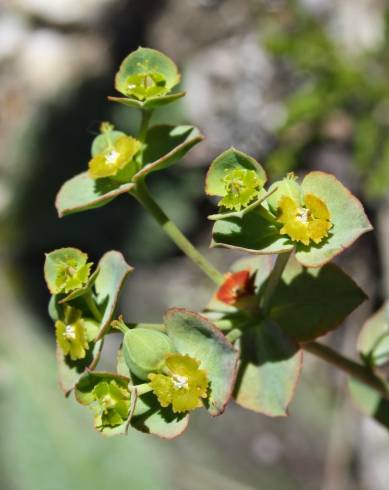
(109, 397)
(66, 270)
(113, 155)
(145, 74)
(235, 177)
(145, 350)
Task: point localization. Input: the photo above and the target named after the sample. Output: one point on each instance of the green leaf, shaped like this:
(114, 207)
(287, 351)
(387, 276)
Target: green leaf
(82, 193)
(269, 371)
(347, 216)
(149, 104)
(252, 233)
(165, 145)
(69, 371)
(373, 341)
(311, 302)
(144, 60)
(113, 270)
(369, 402)
(229, 160)
(161, 422)
(196, 336)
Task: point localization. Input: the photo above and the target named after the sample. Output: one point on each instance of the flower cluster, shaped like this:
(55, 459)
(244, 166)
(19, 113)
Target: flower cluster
(246, 344)
(146, 84)
(242, 186)
(117, 151)
(182, 385)
(111, 403)
(71, 334)
(66, 270)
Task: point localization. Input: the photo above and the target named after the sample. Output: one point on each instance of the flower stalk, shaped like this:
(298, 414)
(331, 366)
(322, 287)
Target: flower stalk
(142, 194)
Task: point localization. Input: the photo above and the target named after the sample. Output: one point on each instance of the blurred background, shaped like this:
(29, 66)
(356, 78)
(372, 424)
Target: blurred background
(298, 84)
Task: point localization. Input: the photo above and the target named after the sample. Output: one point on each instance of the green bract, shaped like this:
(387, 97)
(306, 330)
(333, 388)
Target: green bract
(145, 350)
(146, 77)
(79, 333)
(269, 371)
(66, 270)
(259, 231)
(164, 146)
(236, 178)
(108, 396)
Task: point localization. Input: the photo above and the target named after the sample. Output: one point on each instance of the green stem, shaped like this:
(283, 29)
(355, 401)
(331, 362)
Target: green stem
(273, 280)
(142, 194)
(93, 307)
(144, 125)
(355, 370)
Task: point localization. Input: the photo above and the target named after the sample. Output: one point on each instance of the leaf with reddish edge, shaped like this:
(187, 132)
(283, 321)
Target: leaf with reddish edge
(269, 370)
(308, 303)
(165, 145)
(347, 217)
(196, 336)
(113, 272)
(369, 402)
(258, 233)
(373, 341)
(82, 193)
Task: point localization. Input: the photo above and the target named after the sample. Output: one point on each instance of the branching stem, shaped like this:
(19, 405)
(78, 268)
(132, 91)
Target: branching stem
(352, 368)
(141, 193)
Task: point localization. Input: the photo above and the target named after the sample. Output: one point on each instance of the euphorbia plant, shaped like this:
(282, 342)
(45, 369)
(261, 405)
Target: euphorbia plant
(247, 343)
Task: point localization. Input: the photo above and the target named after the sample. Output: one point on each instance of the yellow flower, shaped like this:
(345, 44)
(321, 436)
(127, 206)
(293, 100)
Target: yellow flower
(183, 386)
(146, 84)
(311, 221)
(112, 403)
(242, 186)
(71, 335)
(114, 158)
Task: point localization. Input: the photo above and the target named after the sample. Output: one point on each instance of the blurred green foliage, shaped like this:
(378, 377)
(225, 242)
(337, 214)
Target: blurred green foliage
(333, 95)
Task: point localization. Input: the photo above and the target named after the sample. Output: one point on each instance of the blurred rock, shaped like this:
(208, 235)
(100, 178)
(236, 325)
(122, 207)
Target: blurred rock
(47, 65)
(65, 11)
